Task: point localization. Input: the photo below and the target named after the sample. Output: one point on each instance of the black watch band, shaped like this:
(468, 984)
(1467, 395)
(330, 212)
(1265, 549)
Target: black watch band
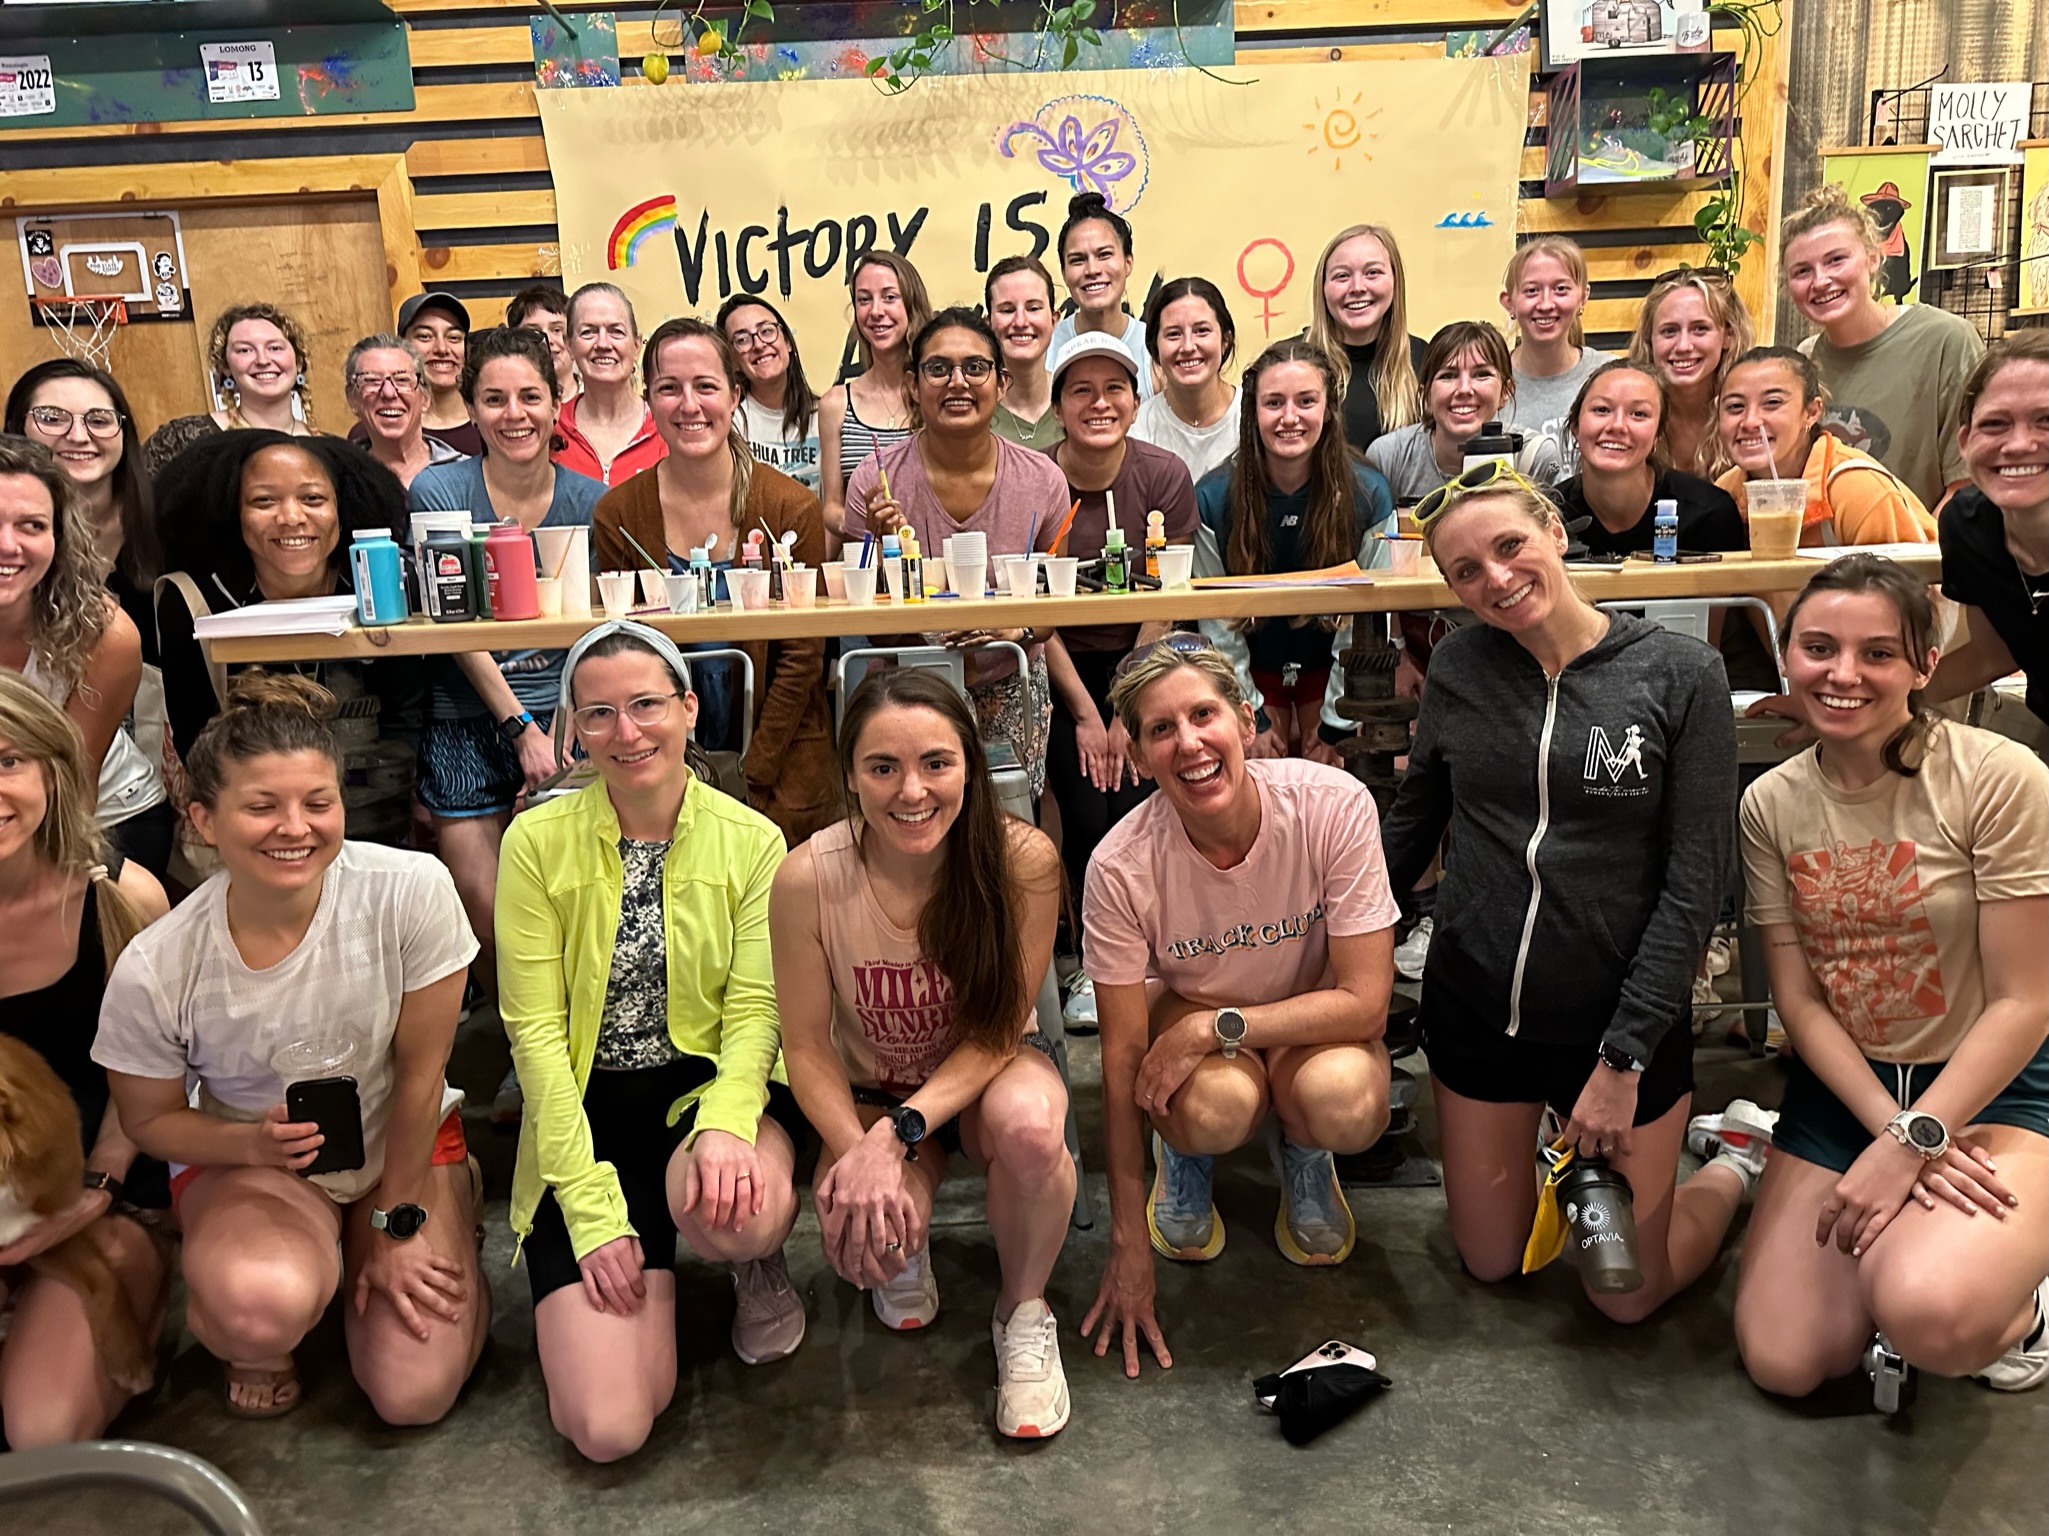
(1615, 1057)
(96, 1179)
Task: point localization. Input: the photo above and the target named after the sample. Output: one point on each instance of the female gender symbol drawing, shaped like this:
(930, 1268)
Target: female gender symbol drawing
(1266, 296)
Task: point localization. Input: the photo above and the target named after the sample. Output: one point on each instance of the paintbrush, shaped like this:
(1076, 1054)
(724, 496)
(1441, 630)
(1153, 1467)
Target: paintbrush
(1067, 522)
(653, 563)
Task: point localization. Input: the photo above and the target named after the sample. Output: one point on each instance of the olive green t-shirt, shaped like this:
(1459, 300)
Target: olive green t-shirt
(1895, 396)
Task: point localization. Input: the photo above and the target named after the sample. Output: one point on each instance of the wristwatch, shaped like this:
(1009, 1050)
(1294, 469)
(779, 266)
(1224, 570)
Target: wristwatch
(1229, 1025)
(1921, 1132)
(512, 727)
(909, 1125)
(401, 1221)
(1615, 1057)
(96, 1179)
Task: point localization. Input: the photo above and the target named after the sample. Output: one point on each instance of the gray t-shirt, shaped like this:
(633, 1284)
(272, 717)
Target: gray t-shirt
(1404, 456)
(1540, 404)
(1896, 396)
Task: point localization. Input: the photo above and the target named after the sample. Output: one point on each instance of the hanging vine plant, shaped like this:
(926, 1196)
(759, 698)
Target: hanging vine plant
(1719, 220)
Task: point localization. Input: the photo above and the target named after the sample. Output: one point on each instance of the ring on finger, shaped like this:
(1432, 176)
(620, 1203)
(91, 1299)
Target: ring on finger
(892, 1247)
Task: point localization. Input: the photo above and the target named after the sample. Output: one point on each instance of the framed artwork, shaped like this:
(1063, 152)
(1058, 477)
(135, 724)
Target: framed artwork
(1892, 184)
(1606, 29)
(2032, 294)
(1967, 216)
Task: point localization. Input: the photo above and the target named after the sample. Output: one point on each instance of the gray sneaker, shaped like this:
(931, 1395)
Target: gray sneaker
(768, 1314)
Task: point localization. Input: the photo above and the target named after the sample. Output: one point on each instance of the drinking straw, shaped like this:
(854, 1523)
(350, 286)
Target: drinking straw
(653, 563)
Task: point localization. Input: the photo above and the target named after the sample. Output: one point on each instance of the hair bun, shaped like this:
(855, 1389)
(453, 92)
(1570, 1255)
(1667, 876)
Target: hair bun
(1086, 204)
(257, 689)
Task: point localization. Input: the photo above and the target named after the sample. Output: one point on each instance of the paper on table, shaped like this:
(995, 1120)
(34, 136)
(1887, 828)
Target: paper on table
(1346, 575)
(293, 616)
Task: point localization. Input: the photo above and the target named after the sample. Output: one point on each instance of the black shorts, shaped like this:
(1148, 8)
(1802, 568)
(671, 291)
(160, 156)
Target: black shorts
(1500, 1069)
(628, 1114)
(947, 1132)
(1816, 1128)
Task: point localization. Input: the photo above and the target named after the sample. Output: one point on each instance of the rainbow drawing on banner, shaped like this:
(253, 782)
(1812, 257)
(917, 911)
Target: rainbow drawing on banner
(635, 227)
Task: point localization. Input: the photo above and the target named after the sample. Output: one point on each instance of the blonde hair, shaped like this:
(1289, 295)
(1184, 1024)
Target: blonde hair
(1395, 387)
(1725, 308)
(69, 610)
(1569, 256)
(1828, 204)
(1511, 488)
(1157, 661)
(68, 838)
(217, 347)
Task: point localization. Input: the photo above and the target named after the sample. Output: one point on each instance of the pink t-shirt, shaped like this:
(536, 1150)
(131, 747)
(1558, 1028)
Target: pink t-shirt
(1024, 507)
(1157, 910)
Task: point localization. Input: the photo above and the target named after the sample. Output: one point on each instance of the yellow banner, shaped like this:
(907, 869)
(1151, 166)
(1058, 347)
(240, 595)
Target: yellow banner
(685, 194)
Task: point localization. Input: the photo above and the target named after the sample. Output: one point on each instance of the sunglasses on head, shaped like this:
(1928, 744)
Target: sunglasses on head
(1479, 478)
(1720, 277)
(1181, 643)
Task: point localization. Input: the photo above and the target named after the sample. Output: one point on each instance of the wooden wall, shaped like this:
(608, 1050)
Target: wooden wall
(460, 190)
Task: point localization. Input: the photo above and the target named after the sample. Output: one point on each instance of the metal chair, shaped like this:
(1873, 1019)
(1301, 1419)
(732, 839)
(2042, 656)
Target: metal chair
(193, 1485)
(1014, 795)
(1754, 746)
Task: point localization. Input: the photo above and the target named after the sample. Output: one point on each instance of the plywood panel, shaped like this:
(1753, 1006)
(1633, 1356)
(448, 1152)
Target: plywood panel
(157, 363)
(523, 154)
(484, 210)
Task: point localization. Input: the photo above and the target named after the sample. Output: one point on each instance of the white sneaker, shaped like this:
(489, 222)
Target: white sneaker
(1080, 1008)
(1031, 1388)
(911, 1300)
(1707, 1003)
(1721, 954)
(1739, 1137)
(2027, 1363)
(1410, 954)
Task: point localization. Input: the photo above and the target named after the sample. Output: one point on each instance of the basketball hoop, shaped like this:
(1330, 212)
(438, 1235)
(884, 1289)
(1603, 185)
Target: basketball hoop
(84, 324)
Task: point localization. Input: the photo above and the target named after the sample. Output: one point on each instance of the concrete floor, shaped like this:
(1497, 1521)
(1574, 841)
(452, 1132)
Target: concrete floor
(1515, 1408)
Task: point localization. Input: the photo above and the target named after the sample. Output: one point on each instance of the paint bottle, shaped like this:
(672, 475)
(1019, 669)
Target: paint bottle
(1155, 541)
(1116, 561)
(480, 586)
(893, 566)
(380, 578)
(914, 569)
(750, 553)
(707, 578)
(445, 576)
(775, 573)
(1665, 533)
(509, 573)
(1493, 441)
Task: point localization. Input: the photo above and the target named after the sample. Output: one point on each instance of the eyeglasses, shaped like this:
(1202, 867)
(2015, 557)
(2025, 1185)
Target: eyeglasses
(55, 421)
(973, 369)
(1719, 277)
(597, 721)
(373, 384)
(766, 334)
(1479, 478)
(1181, 643)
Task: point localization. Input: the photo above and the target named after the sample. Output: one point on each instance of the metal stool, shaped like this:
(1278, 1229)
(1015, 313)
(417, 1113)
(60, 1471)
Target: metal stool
(193, 1485)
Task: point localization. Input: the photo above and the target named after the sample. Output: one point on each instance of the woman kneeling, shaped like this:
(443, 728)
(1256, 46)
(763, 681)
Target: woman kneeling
(1897, 872)
(910, 942)
(635, 985)
(357, 953)
(1240, 929)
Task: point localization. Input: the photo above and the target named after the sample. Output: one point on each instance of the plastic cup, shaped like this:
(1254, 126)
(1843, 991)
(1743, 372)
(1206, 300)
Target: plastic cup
(938, 575)
(970, 576)
(303, 1061)
(800, 588)
(1403, 555)
(1060, 573)
(680, 592)
(1177, 566)
(749, 588)
(615, 591)
(968, 546)
(652, 592)
(1777, 508)
(860, 585)
(892, 569)
(1021, 575)
(549, 590)
(835, 579)
(565, 552)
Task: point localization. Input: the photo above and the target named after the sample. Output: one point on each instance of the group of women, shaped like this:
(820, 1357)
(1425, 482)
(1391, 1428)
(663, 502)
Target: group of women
(696, 986)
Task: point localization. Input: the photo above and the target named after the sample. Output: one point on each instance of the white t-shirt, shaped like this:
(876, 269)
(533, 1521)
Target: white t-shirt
(1133, 341)
(795, 454)
(1156, 910)
(183, 1004)
(1202, 449)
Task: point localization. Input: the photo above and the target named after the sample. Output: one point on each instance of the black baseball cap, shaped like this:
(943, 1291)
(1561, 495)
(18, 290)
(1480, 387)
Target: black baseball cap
(434, 298)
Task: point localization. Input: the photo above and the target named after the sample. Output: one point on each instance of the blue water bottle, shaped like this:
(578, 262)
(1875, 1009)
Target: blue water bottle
(1665, 533)
(380, 579)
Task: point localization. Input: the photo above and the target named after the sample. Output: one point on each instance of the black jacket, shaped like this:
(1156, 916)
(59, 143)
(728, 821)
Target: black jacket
(1592, 823)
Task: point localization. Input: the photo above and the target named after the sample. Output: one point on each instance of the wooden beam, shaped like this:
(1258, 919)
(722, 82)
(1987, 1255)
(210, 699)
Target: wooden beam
(488, 263)
(1334, 54)
(492, 101)
(1762, 140)
(520, 155)
(1614, 210)
(485, 210)
(1355, 15)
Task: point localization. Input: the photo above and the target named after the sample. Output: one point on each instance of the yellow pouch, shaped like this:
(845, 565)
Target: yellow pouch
(1547, 1232)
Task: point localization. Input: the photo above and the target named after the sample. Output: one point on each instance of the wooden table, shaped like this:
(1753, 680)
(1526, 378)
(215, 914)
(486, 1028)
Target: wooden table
(1734, 575)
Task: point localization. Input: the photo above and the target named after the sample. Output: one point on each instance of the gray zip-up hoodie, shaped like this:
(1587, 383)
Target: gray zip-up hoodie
(1592, 821)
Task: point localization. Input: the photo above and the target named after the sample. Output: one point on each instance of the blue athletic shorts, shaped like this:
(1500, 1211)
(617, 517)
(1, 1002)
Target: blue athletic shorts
(468, 769)
(1815, 1127)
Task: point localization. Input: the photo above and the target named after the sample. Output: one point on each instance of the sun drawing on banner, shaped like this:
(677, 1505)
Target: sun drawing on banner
(1340, 130)
(1090, 142)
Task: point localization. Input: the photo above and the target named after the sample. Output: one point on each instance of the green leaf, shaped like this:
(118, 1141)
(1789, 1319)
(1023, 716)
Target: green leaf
(877, 66)
(760, 10)
(942, 33)
(1069, 51)
(1092, 37)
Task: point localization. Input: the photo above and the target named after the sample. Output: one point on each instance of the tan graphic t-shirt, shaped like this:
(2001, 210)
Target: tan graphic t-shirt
(1883, 884)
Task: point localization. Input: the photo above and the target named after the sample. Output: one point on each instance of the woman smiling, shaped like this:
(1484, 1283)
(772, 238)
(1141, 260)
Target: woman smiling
(257, 362)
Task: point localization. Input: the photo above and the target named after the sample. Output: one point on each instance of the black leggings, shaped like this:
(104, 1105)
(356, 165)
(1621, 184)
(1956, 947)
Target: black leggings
(1086, 813)
(146, 837)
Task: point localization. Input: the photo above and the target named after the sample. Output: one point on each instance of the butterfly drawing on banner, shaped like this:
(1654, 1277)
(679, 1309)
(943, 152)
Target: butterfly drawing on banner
(1088, 160)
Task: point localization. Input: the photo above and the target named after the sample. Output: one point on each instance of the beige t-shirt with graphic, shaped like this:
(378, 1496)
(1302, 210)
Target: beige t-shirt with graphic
(1884, 883)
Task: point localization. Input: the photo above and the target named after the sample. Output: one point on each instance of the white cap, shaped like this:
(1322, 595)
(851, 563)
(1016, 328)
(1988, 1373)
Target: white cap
(1092, 344)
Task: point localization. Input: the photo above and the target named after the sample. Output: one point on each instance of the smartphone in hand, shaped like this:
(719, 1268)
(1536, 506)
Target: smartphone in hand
(332, 1104)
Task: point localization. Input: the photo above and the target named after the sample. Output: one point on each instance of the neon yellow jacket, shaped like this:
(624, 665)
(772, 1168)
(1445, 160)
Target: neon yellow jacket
(560, 879)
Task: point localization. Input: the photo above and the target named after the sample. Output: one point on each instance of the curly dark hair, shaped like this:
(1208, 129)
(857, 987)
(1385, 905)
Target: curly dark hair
(199, 501)
(508, 341)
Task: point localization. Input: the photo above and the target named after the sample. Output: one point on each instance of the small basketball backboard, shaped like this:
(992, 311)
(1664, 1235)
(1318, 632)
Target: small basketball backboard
(138, 258)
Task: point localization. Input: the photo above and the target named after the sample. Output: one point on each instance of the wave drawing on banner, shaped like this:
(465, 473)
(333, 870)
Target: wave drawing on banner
(638, 225)
(1087, 159)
